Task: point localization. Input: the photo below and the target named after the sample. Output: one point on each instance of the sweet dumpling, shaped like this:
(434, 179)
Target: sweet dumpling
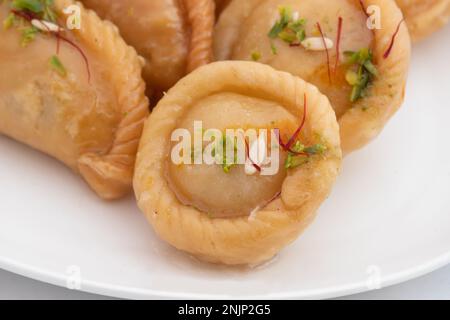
(77, 95)
(173, 36)
(226, 197)
(356, 56)
(423, 17)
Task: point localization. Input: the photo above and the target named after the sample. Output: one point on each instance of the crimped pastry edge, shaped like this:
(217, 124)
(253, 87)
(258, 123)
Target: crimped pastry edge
(110, 174)
(193, 231)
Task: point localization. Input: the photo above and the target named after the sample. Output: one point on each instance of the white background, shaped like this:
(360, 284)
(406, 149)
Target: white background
(433, 286)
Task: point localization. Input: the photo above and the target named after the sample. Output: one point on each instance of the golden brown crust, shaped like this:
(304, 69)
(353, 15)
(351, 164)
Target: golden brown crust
(364, 122)
(424, 16)
(110, 174)
(238, 240)
(366, 119)
(173, 36)
(201, 19)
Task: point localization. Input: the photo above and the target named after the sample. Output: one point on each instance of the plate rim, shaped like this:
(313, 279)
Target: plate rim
(124, 292)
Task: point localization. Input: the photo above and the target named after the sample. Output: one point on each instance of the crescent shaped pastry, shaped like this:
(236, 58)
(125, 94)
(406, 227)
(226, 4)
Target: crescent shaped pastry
(329, 44)
(173, 36)
(77, 95)
(231, 214)
(424, 17)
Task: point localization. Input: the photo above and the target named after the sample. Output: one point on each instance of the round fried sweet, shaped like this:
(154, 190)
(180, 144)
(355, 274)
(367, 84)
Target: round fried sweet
(362, 71)
(231, 216)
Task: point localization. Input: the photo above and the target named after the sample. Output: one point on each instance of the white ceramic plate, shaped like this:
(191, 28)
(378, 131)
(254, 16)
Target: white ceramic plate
(387, 221)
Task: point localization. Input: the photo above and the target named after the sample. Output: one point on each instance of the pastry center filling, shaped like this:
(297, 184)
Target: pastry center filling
(236, 187)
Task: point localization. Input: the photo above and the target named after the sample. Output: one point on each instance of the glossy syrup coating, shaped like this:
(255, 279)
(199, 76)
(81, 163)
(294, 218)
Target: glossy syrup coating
(173, 36)
(211, 219)
(234, 193)
(244, 26)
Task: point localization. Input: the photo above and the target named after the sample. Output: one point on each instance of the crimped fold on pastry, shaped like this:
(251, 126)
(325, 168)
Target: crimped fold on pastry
(173, 36)
(424, 17)
(235, 212)
(76, 95)
(329, 44)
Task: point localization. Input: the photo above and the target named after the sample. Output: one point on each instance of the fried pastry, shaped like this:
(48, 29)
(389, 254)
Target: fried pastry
(173, 36)
(77, 95)
(245, 211)
(359, 60)
(424, 17)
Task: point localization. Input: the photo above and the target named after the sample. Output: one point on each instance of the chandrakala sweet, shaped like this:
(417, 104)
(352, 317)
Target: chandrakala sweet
(173, 36)
(356, 52)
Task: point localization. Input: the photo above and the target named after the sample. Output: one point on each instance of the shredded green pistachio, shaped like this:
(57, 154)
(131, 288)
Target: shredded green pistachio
(56, 64)
(227, 166)
(285, 16)
(256, 55)
(273, 48)
(9, 21)
(317, 149)
(221, 154)
(49, 13)
(43, 8)
(28, 35)
(287, 29)
(40, 9)
(294, 160)
(360, 73)
(35, 6)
